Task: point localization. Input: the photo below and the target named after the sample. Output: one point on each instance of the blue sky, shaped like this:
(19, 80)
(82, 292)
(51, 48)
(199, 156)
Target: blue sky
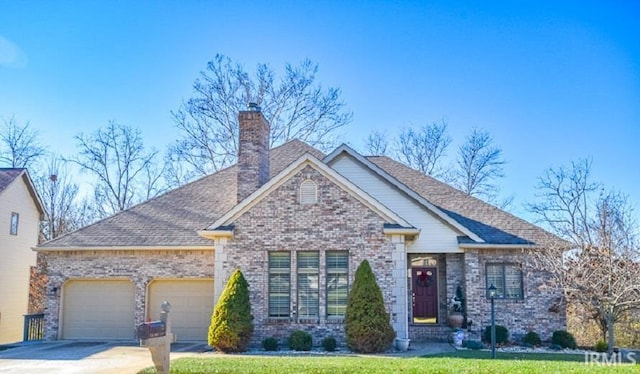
(552, 82)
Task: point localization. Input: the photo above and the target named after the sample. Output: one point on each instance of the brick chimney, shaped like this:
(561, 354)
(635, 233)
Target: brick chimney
(253, 151)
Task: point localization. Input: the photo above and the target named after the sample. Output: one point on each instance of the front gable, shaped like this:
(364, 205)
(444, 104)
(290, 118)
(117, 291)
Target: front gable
(438, 234)
(298, 172)
(336, 221)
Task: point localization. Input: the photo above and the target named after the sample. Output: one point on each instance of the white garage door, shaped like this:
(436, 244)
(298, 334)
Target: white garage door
(97, 309)
(191, 306)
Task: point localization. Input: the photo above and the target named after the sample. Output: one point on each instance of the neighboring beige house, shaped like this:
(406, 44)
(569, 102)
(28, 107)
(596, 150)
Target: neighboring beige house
(298, 223)
(20, 214)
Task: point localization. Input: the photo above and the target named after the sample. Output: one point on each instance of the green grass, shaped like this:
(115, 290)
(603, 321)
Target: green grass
(457, 362)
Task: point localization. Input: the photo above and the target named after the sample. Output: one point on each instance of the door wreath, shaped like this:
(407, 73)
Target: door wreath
(425, 278)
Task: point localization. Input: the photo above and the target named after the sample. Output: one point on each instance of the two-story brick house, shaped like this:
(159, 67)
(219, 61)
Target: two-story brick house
(298, 223)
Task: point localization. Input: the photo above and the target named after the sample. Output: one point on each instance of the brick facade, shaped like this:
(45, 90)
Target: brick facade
(539, 310)
(280, 223)
(337, 222)
(534, 312)
(141, 267)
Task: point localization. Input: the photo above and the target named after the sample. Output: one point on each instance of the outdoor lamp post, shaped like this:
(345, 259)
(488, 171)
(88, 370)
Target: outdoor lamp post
(492, 296)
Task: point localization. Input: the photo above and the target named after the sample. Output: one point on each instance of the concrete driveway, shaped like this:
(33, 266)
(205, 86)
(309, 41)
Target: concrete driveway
(85, 357)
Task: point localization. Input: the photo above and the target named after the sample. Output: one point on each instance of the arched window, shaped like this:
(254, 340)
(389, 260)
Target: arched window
(308, 192)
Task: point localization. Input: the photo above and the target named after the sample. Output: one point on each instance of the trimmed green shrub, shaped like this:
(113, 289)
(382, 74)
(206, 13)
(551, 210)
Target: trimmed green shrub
(270, 344)
(472, 344)
(329, 344)
(232, 323)
(367, 325)
(601, 346)
(532, 338)
(564, 339)
(300, 341)
(502, 334)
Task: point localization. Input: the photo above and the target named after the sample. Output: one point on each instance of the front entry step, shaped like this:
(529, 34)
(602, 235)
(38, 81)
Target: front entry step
(430, 333)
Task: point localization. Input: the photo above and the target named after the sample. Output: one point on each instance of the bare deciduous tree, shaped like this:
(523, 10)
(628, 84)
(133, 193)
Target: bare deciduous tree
(425, 148)
(479, 165)
(598, 269)
(377, 143)
(19, 144)
(295, 106)
(125, 174)
(58, 194)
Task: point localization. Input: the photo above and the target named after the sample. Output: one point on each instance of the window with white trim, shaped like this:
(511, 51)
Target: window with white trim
(15, 217)
(337, 283)
(308, 283)
(279, 284)
(507, 278)
(308, 192)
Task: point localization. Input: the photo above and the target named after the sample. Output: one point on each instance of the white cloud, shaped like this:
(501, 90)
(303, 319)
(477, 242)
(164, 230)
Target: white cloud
(11, 56)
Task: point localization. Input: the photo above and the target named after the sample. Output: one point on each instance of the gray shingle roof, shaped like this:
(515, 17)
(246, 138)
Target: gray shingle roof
(173, 218)
(7, 176)
(493, 225)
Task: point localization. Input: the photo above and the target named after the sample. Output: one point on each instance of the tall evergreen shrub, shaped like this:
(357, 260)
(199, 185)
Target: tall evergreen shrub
(232, 323)
(367, 323)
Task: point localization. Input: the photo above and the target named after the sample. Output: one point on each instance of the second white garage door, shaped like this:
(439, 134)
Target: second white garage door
(98, 309)
(191, 305)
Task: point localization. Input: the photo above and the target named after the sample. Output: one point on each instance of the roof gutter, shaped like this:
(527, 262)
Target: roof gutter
(496, 246)
(127, 248)
(401, 231)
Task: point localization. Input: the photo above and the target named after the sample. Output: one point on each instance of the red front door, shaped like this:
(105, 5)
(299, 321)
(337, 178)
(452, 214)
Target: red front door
(424, 290)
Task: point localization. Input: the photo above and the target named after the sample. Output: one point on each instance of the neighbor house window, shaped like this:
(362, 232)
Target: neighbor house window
(308, 192)
(14, 223)
(507, 278)
(279, 284)
(308, 283)
(337, 283)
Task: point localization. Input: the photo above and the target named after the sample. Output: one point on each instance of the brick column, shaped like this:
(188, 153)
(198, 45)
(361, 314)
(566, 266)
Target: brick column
(52, 307)
(140, 284)
(455, 274)
(475, 291)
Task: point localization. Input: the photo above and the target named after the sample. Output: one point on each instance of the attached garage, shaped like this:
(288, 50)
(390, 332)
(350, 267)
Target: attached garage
(191, 305)
(98, 309)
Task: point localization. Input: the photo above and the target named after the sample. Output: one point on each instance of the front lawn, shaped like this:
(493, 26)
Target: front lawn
(457, 362)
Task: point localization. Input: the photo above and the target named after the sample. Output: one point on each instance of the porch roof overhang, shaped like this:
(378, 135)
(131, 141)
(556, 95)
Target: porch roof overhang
(218, 232)
(395, 229)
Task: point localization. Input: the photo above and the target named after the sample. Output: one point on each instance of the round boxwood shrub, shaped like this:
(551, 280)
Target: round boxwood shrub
(329, 344)
(270, 344)
(532, 339)
(601, 346)
(502, 334)
(232, 323)
(300, 341)
(367, 325)
(564, 339)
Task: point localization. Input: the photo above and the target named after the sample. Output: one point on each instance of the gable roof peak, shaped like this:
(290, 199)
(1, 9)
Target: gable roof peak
(307, 159)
